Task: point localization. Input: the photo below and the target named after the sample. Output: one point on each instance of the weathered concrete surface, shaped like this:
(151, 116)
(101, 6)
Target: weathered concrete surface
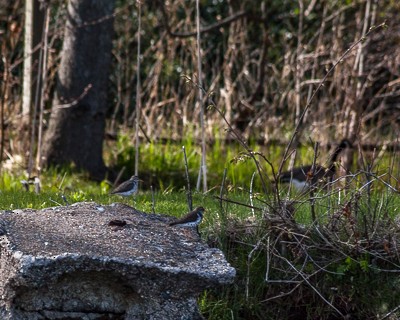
(88, 261)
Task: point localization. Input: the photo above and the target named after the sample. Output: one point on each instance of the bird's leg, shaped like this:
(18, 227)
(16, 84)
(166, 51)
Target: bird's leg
(198, 232)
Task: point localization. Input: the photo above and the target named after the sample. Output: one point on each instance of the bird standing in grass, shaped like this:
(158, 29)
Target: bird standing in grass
(127, 188)
(192, 219)
(304, 177)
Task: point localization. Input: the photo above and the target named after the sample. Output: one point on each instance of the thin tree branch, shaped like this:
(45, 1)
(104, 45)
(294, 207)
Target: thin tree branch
(203, 166)
(138, 87)
(43, 89)
(207, 29)
(189, 190)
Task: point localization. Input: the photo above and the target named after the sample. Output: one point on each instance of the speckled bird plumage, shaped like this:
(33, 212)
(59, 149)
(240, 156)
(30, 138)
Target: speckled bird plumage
(128, 187)
(192, 219)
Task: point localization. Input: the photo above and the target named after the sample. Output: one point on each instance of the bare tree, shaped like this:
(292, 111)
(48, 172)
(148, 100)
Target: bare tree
(77, 122)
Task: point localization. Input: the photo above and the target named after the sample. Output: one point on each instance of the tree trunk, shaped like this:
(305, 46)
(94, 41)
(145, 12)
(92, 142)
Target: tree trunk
(77, 122)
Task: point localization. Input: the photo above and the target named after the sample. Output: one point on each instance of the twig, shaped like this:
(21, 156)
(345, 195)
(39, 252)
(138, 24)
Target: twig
(138, 87)
(119, 176)
(189, 190)
(291, 165)
(43, 89)
(249, 258)
(387, 315)
(283, 294)
(74, 102)
(36, 105)
(299, 64)
(209, 28)
(203, 171)
(313, 183)
(251, 192)
(312, 287)
(153, 201)
(379, 178)
(268, 254)
(221, 190)
(55, 202)
(237, 202)
(3, 100)
(62, 181)
(60, 189)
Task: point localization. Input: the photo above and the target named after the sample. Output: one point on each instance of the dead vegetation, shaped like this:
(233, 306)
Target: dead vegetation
(261, 62)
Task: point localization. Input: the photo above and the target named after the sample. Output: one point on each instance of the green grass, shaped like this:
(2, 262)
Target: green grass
(236, 230)
(163, 164)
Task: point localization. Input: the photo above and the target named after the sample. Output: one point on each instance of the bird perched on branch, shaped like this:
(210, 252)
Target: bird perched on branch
(305, 176)
(192, 219)
(128, 187)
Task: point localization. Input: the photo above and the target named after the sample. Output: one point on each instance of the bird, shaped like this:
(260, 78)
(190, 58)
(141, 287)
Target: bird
(32, 180)
(128, 187)
(303, 177)
(192, 219)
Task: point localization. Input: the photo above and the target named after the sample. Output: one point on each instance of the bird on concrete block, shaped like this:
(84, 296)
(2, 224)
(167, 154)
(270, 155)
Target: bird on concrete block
(127, 188)
(192, 219)
(304, 177)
